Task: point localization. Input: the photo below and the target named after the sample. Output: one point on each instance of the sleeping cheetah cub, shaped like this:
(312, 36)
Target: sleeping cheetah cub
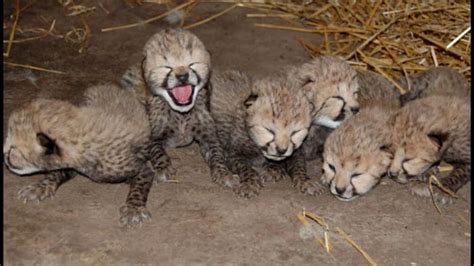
(105, 140)
(331, 86)
(356, 154)
(435, 81)
(175, 71)
(426, 131)
(262, 124)
(373, 89)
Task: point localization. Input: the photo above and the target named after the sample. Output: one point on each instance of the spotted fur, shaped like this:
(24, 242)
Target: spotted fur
(105, 139)
(429, 130)
(435, 81)
(175, 59)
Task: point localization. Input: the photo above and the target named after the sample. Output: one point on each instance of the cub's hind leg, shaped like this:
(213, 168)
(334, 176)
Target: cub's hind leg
(46, 188)
(134, 211)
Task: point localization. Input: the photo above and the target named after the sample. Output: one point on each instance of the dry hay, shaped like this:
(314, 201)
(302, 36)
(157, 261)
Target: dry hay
(394, 38)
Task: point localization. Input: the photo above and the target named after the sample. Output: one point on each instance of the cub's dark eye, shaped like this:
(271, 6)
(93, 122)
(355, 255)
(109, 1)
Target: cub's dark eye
(355, 175)
(332, 167)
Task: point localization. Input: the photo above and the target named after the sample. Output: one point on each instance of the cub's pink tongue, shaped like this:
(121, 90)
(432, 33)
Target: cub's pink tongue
(182, 93)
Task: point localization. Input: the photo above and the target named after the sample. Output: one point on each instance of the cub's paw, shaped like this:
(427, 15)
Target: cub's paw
(249, 188)
(273, 174)
(309, 186)
(164, 175)
(133, 216)
(227, 181)
(422, 190)
(37, 192)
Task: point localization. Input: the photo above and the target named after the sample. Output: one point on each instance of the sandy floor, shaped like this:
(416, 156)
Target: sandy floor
(196, 222)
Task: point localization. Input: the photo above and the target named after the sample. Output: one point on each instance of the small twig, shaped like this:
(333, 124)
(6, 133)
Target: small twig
(433, 55)
(210, 18)
(458, 38)
(365, 59)
(371, 38)
(354, 244)
(398, 63)
(441, 45)
(150, 19)
(36, 37)
(12, 33)
(430, 186)
(33, 67)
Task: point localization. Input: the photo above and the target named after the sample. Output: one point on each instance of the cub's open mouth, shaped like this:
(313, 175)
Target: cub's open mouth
(182, 94)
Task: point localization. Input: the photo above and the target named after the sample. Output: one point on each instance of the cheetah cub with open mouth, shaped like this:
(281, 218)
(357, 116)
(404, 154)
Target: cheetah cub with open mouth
(262, 124)
(172, 80)
(106, 139)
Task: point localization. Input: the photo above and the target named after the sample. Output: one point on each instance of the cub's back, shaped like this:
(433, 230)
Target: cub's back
(115, 112)
(376, 90)
(229, 91)
(435, 81)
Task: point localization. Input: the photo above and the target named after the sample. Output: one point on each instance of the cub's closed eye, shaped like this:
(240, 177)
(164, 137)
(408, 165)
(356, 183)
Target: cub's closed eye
(405, 160)
(296, 132)
(269, 130)
(332, 167)
(167, 67)
(355, 175)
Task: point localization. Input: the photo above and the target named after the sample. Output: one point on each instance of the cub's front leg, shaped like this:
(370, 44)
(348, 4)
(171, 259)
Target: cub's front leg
(160, 162)
(46, 188)
(250, 180)
(296, 167)
(134, 211)
(206, 135)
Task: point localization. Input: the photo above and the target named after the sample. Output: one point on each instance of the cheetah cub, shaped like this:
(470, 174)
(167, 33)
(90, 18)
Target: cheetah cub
(104, 139)
(426, 131)
(262, 124)
(356, 154)
(435, 81)
(331, 86)
(172, 80)
(372, 89)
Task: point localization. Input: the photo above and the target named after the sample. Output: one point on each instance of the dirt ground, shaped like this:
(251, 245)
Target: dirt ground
(195, 222)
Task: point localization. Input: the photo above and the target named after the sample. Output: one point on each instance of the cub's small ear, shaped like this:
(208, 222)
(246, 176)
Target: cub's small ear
(386, 148)
(47, 143)
(438, 138)
(250, 100)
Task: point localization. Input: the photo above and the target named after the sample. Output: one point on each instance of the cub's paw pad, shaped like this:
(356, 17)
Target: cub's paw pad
(133, 216)
(309, 186)
(36, 192)
(422, 190)
(228, 181)
(249, 188)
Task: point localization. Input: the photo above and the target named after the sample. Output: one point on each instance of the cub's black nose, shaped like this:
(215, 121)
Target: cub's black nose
(182, 78)
(340, 191)
(355, 110)
(281, 151)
